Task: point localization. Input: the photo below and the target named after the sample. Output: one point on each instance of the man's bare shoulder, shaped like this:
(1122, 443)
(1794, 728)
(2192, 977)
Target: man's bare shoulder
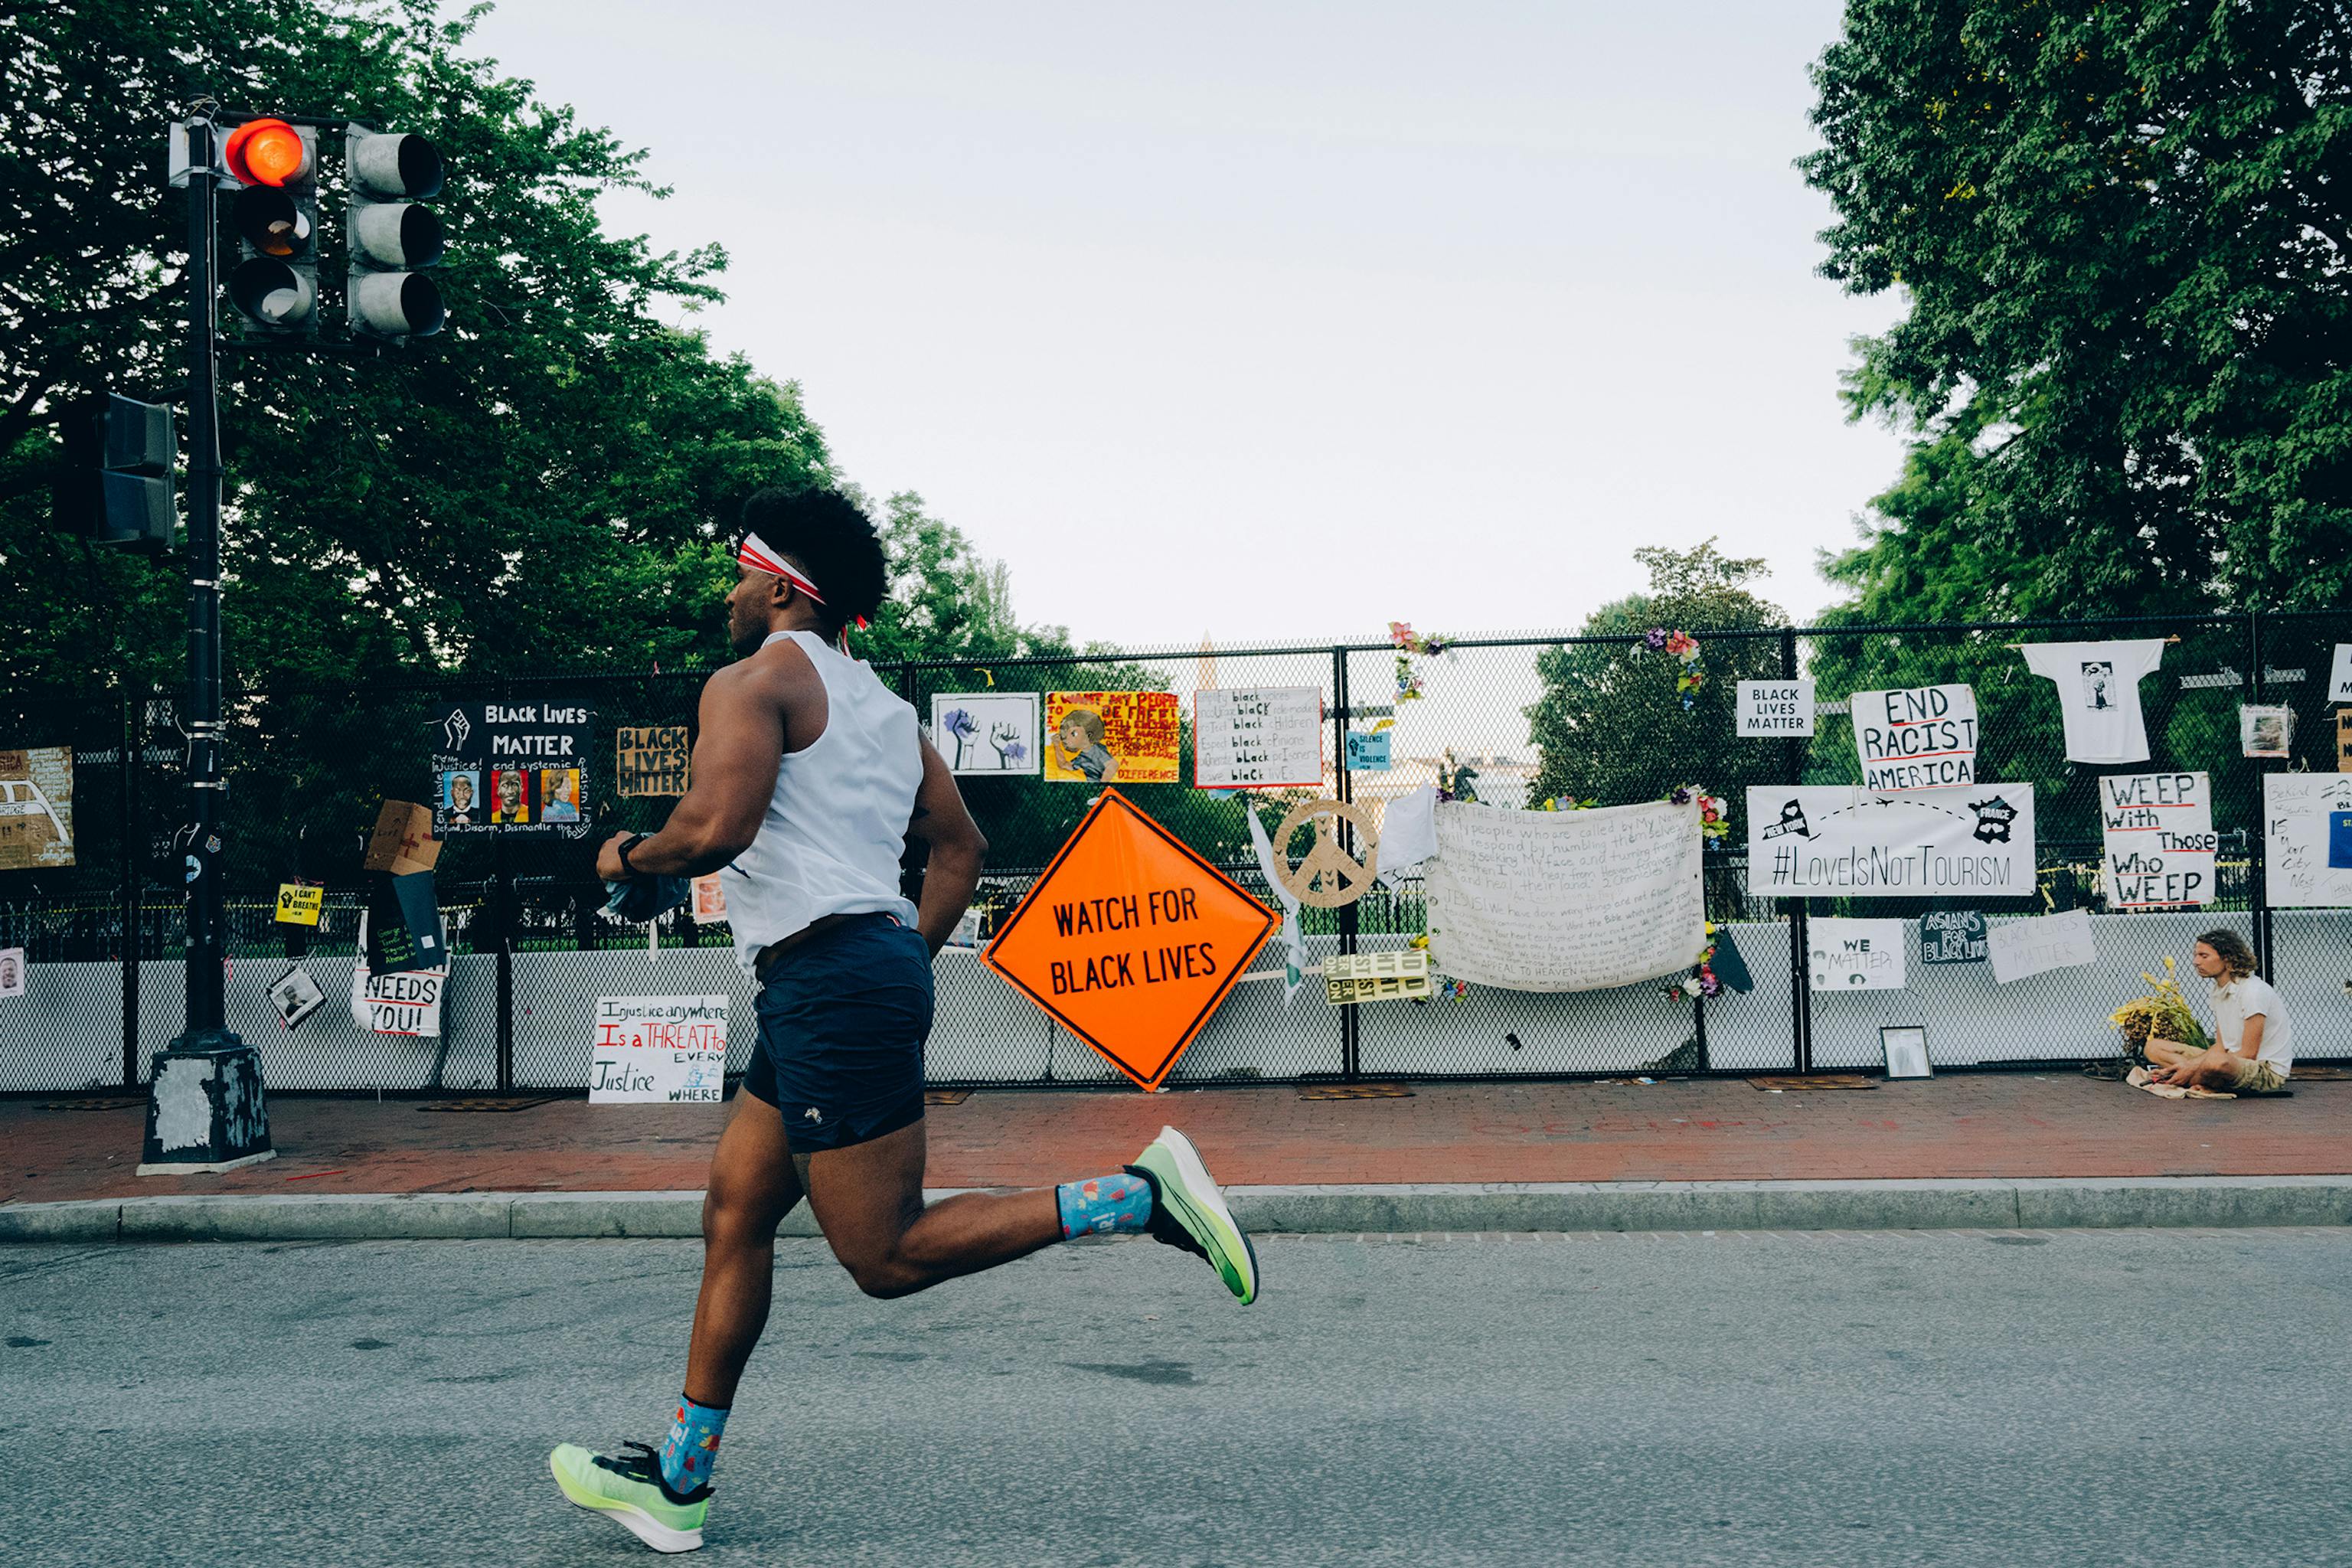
(779, 672)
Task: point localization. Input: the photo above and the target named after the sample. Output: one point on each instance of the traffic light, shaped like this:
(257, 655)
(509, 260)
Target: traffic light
(393, 234)
(116, 485)
(276, 217)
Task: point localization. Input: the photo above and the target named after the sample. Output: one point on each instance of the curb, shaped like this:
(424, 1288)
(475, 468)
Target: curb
(2090, 1203)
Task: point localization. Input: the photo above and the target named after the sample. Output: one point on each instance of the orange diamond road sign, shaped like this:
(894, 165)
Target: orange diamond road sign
(1130, 939)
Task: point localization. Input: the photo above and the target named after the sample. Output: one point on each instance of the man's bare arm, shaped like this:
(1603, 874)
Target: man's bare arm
(736, 756)
(957, 851)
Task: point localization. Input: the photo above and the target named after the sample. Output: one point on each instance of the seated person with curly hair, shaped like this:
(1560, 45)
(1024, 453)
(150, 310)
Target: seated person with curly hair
(2254, 1044)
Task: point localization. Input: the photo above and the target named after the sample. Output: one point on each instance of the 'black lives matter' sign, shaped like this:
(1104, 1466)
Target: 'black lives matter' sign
(519, 764)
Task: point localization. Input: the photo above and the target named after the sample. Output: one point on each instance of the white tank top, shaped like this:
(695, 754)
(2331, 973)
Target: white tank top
(836, 826)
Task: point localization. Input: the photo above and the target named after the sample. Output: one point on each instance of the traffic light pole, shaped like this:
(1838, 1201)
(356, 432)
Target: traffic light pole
(205, 1108)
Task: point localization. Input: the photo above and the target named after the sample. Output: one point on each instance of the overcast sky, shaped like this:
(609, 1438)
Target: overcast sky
(1276, 320)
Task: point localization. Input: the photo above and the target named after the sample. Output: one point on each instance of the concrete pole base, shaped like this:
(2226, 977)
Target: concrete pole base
(205, 1107)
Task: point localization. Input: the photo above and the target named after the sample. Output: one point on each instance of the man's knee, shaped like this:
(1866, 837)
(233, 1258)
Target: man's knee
(885, 1273)
(735, 1220)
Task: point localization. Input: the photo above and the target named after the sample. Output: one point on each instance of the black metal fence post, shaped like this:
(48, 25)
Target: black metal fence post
(2258, 899)
(1801, 999)
(133, 744)
(1350, 1042)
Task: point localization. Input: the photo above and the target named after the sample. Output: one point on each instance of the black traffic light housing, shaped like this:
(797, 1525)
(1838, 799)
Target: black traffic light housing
(275, 217)
(116, 484)
(393, 234)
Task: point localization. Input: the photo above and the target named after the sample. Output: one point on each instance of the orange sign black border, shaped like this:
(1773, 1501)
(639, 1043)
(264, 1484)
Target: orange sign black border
(1191, 1030)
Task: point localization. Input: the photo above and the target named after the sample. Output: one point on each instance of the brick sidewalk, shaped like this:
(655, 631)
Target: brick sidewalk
(1976, 1124)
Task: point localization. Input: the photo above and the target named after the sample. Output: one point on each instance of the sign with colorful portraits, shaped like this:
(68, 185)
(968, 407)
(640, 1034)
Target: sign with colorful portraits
(1112, 737)
(512, 764)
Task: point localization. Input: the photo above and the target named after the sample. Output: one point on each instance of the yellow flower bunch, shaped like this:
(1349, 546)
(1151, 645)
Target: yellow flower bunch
(2163, 1013)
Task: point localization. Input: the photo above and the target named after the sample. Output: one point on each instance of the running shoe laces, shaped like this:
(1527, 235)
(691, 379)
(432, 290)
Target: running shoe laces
(1162, 1226)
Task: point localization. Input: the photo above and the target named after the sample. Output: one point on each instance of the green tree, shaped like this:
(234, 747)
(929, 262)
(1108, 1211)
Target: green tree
(1610, 727)
(2128, 358)
(547, 484)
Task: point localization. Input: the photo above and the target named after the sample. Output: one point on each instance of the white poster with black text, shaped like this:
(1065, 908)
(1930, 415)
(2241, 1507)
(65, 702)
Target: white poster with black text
(1919, 737)
(1827, 841)
(1856, 955)
(2160, 839)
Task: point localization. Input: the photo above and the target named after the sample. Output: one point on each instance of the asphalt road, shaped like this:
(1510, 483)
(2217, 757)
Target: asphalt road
(2172, 1397)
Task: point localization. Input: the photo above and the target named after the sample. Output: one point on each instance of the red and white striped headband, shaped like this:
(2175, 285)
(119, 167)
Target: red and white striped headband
(756, 554)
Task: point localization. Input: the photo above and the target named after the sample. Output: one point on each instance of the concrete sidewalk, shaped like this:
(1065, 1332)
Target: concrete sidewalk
(1977, 1149)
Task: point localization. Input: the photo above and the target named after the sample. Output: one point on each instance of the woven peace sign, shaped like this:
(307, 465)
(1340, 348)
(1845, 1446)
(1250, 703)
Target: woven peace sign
(1329, 877)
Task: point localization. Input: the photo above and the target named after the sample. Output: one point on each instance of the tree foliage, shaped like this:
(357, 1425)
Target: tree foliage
(2121, 231)
(1611, 728)
(550, 483)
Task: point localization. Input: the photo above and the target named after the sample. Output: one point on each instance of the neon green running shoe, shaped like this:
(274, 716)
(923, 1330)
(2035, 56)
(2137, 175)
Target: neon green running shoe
(1188, 1212)
(631, 1490)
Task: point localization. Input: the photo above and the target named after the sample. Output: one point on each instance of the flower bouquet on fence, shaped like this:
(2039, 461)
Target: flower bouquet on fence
(2163, 1013)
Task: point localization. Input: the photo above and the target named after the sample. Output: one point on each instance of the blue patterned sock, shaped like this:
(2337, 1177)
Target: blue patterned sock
(1105, 1205)
(691, 1448)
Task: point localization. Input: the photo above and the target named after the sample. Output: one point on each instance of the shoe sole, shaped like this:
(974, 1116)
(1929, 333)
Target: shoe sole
(634, 1519)
(1201, 1208)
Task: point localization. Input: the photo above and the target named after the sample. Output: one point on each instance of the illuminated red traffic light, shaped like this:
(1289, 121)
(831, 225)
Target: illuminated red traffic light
(268, 152)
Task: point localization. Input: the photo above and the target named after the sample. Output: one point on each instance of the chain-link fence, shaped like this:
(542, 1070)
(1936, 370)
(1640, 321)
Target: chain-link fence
(1511, 721)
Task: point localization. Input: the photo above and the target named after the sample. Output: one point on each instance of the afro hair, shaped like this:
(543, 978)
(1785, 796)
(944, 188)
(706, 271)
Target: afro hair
(829, 537)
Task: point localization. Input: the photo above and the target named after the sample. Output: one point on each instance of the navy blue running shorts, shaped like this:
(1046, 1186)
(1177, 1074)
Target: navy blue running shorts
(842, 1022)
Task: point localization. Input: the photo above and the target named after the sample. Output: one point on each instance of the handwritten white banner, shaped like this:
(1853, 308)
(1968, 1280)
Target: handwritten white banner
(1919, 737)
(2160, 839)
(1257, 737)
(2307, 844)
(1856, 955)
(2041, 943)
(1566, 901)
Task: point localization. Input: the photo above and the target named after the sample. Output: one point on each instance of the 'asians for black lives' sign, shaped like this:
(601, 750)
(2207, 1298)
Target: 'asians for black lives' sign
(518, 764)
(1919, 737)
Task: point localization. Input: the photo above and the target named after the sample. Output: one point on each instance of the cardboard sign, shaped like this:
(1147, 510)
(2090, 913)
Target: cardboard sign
(709, 900)
(1368, 752)
(1565, 900)
(655, 1050)
(300, 903)
(402, 842)
(1776, 708)
(296, 995)
(651, 762)
(1112, 737)
(1829, 841)
(986, 732)
(1352, 977)
(1856, 955)
(1920, 737)
(1257, 737)
(2039, 944)
(2339, 674)
(1952, 936)
(407, 1002)
(37, 808)
(2160, 839)
(12, 972)
(512, 765)
(1130, 939)
(2344, 741)
(2300, 840)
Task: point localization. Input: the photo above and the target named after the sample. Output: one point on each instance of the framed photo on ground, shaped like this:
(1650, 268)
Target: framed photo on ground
(1906, 1051)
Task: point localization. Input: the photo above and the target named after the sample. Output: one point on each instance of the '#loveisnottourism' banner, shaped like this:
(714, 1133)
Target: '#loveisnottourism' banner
(1828, 840)
(1565, 900)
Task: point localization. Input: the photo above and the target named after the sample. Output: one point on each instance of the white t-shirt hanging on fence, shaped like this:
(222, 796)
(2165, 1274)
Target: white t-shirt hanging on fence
(2098, 693)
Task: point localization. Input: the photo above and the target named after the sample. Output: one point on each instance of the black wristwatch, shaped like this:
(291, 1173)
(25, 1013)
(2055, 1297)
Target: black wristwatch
(631, 842)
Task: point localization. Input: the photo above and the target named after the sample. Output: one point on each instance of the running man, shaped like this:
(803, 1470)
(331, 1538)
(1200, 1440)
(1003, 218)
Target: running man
(809, 777)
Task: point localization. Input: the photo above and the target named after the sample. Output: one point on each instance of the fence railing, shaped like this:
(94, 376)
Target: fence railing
(1513, 719)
